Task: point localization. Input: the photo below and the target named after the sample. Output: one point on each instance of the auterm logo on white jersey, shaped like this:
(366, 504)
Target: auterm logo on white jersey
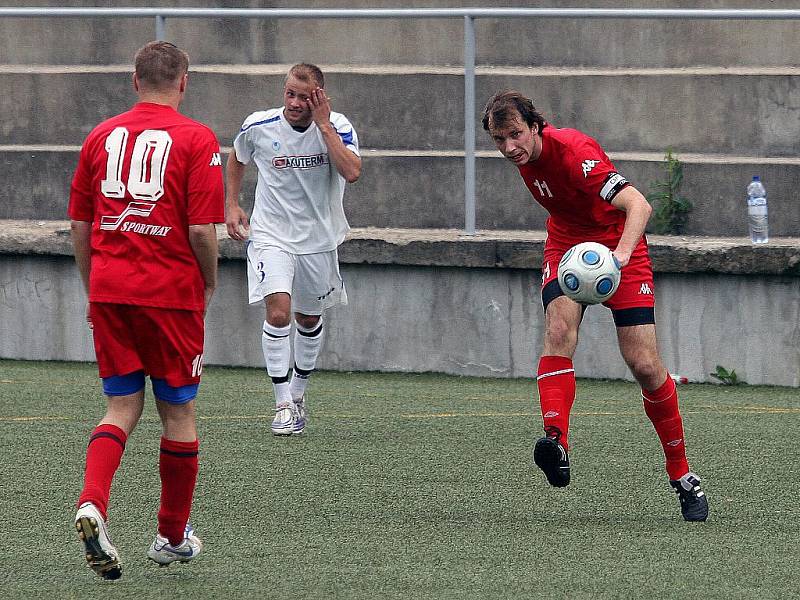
(646, 290)
(588, 165)
(216, 160)
(300, 162)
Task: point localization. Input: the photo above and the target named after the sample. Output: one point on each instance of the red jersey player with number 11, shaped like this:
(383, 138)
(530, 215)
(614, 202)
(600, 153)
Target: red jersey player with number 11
(569, 174)
(144, 200)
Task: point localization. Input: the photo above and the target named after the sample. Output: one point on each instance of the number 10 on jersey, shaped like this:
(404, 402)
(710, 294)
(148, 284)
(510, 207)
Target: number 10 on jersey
(145, 181)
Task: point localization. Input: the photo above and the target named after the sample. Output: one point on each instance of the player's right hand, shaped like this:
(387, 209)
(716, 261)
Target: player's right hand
(237, 223)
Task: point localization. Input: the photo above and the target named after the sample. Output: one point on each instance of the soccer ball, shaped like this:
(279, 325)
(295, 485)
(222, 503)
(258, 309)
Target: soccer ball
(589, 273)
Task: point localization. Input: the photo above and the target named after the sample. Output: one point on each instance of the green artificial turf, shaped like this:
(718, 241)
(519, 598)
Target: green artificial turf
(408, 486)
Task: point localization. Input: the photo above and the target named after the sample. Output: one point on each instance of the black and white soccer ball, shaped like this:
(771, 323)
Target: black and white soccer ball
(589, 273)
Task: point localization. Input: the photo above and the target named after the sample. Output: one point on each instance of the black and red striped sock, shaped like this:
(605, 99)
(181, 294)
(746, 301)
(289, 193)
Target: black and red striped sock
(177, 465)
(103, 455)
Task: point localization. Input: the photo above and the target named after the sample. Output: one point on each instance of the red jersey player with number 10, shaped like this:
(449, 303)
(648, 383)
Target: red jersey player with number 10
(145, 196)
(569, 174)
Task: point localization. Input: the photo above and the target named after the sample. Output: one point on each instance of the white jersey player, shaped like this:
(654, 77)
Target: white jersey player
(304, 154)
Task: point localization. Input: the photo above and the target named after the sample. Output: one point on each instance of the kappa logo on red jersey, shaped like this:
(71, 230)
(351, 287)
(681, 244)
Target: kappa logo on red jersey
(588, 165)
(216, 160)
(646, 290)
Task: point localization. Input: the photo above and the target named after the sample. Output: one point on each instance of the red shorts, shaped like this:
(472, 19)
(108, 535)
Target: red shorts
(636, 289)
(164, 343)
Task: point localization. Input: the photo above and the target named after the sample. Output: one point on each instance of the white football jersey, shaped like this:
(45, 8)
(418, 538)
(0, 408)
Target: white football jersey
(298, 203)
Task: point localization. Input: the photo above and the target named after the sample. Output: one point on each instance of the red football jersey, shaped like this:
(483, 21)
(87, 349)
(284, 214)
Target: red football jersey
(575, 181)
(143, 177)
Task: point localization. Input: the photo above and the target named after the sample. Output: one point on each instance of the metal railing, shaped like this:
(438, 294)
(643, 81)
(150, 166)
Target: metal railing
(467, 14)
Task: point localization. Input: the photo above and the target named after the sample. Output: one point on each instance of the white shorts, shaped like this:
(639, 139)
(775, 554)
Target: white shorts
(312, 280)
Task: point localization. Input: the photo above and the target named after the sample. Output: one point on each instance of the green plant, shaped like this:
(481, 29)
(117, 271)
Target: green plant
(671, 209)
(726, 377)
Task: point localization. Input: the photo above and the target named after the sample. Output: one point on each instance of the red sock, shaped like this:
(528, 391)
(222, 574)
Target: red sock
(556, 382)
(178, 468)
(103, 456)
(661, 407)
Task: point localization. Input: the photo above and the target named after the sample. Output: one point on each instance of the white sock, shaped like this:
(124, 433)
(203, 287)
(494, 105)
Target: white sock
(307, 345)
(277, 356)
(298, 383)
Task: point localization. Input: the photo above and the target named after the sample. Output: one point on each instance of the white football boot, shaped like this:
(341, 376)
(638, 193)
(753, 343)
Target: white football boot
(101, 554)
(288, 420)
(164, 553)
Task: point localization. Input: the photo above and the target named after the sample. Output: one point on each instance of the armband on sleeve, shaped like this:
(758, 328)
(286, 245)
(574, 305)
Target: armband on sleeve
(612, 185)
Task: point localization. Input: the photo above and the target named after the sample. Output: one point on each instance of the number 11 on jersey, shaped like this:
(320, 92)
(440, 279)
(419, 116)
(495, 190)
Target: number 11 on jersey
(543, 189)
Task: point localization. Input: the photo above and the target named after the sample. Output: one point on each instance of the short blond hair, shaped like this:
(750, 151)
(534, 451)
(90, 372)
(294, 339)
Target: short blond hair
(307, 73)
(160, 65)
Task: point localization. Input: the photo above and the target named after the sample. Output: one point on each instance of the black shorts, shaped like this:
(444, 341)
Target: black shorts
(624, 317)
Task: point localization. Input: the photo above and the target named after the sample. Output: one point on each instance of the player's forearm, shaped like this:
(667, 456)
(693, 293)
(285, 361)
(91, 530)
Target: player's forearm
(82, 245)
(635, 223)
(637, 214)
(347, 163)
(203, 240)
(234, 174)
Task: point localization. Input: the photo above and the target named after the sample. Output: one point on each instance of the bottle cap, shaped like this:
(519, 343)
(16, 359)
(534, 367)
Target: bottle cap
(756, 178)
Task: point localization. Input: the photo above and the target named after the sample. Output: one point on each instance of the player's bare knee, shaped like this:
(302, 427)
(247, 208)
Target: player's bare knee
(278, 317)
(307, 321)
(649, 373)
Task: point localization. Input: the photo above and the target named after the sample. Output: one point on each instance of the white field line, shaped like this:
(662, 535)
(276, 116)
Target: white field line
(742, 410)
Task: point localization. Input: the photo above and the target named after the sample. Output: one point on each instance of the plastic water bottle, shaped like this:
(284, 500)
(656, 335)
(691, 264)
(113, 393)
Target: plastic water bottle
(757, 211)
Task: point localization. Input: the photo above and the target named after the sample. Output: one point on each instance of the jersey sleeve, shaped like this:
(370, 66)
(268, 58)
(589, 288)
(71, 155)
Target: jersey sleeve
(243, 147)
(206, 196)
(243, 142)
(81, 203)
(346, 131)
(593, 172)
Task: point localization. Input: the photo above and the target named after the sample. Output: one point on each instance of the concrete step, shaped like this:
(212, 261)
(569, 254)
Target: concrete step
(427, 190)
(520, 41)
(690, 110)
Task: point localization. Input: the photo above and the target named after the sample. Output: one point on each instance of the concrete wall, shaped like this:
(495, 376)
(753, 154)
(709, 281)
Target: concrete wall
(570, 42)
(444, 303)
(723, 94)
(628, 112)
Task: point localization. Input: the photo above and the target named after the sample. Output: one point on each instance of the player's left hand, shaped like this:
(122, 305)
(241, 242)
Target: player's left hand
(320, 106)
(89, 316)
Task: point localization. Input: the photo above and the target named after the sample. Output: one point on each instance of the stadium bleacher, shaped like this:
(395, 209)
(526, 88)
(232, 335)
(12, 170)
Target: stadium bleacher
(714, 92)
